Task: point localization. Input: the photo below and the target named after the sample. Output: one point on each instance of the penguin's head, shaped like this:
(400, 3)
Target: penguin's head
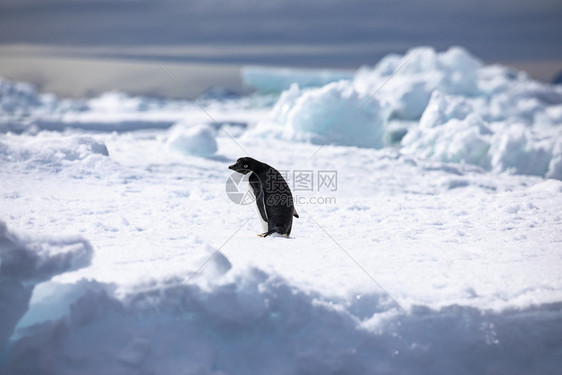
(245, 165)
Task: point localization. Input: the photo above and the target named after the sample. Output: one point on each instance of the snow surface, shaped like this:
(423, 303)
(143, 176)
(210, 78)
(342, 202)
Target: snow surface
(439, 252)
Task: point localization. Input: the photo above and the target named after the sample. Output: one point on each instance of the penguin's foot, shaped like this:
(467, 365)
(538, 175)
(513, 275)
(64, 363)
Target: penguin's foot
(265, 234)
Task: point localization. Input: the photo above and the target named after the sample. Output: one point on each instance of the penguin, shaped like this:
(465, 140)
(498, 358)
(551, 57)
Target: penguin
(273, 196)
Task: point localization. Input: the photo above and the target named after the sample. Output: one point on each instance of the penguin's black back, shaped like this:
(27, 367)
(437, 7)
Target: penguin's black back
(278, 200)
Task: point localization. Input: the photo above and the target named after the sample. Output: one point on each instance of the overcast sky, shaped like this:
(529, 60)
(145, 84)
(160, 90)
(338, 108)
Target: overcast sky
(290, 32)
(85, 47)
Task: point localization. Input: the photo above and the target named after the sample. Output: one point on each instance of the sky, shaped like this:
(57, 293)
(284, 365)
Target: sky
(313, 33)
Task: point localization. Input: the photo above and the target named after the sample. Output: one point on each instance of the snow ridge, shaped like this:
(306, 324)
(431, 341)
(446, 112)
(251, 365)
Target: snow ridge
(25, 263)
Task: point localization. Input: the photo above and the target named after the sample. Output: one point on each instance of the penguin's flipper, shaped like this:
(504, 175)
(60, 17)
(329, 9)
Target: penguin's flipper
(260, 202)
(257, 189)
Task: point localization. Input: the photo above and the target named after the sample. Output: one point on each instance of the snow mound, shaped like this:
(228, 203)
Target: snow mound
(449, 131)
(201, 265)
(252, 322)
(455, 141)
(408, 81)
(52, 152)
(442, 108)
(335, 113)
(522, 151)
(527, 102)
(196, 140)
(274, 80)
(26, 262)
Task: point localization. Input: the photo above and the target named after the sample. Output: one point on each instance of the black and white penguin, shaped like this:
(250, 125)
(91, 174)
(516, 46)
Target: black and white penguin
(273, 196)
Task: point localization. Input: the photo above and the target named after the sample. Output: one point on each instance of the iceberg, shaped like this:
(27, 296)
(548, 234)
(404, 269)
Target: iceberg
(322, 115)
(275, 80)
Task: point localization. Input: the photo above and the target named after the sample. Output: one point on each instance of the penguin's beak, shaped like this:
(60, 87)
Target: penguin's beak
(231, 166)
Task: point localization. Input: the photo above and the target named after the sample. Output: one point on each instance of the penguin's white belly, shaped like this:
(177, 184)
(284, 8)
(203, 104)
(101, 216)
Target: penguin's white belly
(263, 223)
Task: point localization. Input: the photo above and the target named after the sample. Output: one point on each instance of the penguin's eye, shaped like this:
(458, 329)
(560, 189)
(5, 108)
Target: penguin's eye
(245, 165)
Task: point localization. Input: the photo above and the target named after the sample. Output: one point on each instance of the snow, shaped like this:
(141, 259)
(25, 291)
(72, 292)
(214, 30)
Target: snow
(437, 252)
(195, 139)
(50, 152)
(24, 110)
(416, 75)
(454, 141)
(451, 131)
(26, 262)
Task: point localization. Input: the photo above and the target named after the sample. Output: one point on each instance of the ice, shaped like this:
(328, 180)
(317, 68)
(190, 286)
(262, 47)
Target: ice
(450, 131)
(555, 165)
(516, 151)
(442, 108)
(192, 139)
(416, 75)
(321, 115)
(375, 107)
(26, 262)
(407, 95)
(22, 109)
(523, 101)
(438, 250)
(454, 141)
(553, 115)
(501, 93)
(274, 80)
